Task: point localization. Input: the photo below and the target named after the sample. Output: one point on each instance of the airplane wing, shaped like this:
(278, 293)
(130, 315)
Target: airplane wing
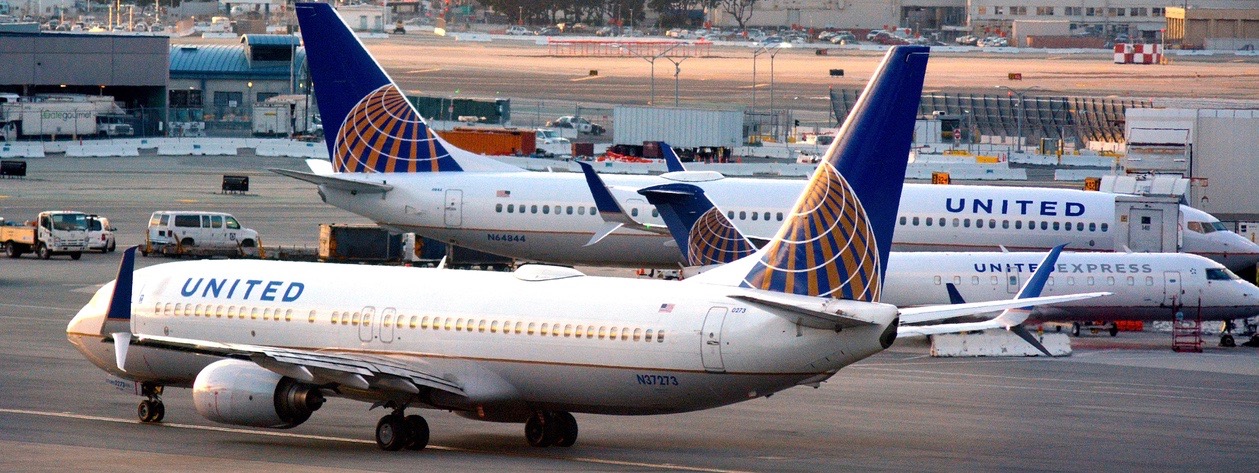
(335, 182)
(316, 367)
(913, 315)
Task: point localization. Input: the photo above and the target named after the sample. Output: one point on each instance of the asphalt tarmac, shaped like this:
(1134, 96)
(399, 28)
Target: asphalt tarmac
(1125, 404)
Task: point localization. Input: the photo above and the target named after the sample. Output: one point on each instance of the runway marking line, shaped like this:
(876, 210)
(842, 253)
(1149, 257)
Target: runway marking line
(579, 79)
(421, 71)
(658, 466)
(26, 306)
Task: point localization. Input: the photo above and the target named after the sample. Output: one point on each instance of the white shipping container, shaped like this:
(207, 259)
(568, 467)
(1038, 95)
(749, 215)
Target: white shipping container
(57, 118)
(679, 127)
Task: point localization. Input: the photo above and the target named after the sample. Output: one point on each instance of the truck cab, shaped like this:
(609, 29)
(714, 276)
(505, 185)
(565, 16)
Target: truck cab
(54, 232)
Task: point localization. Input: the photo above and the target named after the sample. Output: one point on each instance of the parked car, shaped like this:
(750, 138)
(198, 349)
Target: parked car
(843, 37)
(582, 125)
(870, 36)
(517, 30)
(100, 234)
(548, 31)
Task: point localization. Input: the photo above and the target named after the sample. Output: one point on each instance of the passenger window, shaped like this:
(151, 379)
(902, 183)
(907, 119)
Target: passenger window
(903, 219)
(460, 325)
(603, 332)
(1079, 226)
(216, 221)
(205, 221)
(634, 212)
(334, 317)
(957, 279)
(655, 213)
(231, 311)
(743, 215)
(187, 221)
(1149, 280)
(511, 208)
(1110, 280)
(424, 323)
(544, 330)
(767, 216)
(494, 327)
(927, 221)
(480, 327)
(1055, 225)
(660, 336)
(992, 223)
(592, 211)
(956, 222)
(199, 311)
(647, 337)
(1018, 224)
(974, 280)
(1070, 280)
(266, 314)
(937, 280)
(413, 321)
(1092, 226)
(914, 222)
(168, 310)
(1044, 225)
(993, 281)
(311, 318)
(568, 330)
(754, 216)
(730, 214)
(533, 209)
(780, 216)
(358, 317)
(569, 210)
(231, 223)
(546, 209)
(498, 208)
(519, 327)
(1090, 280)
(966, 223)
(579, 331)
(555, 330)
(638, 334)
(1131, 281)
(1051, 280)
(581, 211)
(1105, 227)
(531, 326)
(625, 334)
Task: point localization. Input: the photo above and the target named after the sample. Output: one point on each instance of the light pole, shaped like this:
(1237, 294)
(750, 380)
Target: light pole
(677, 69)
(1022, 106)
(777, 49)
(652, 60)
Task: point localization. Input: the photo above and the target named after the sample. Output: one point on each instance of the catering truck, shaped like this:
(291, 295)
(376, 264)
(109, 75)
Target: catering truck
(55, 232)
(67, 115)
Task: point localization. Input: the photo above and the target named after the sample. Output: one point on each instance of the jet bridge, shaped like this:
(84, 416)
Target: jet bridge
(1147, 224)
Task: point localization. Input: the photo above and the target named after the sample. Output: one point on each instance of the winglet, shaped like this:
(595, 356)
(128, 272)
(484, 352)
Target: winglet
(613, 215)
(671, 160)
(118, 319)
(955, 297)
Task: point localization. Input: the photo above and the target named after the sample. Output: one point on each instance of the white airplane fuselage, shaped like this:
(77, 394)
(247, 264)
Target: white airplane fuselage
(1144, 286)
(548, 216)
(675, 347)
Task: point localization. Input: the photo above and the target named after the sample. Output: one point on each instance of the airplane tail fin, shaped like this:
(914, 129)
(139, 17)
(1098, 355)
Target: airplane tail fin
(671, 160)
(835, 242)
(369, 124)
(703, 233)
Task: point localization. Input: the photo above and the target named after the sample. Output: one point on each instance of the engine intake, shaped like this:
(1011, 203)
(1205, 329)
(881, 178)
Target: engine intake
(242, 393)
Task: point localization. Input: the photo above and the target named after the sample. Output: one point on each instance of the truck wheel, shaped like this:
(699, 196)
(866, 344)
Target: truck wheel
(111, 247)
(76, 255)
(11, 250)
(43, 252)
(187, 242)
(247, 243)
(1075, 329)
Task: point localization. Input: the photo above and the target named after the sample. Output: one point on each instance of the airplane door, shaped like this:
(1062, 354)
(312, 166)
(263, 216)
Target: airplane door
(387, 324)
(454, 208)
(710, 350)
(365, 326)
(1145, 230)
(1012, 282)
(1172, 288)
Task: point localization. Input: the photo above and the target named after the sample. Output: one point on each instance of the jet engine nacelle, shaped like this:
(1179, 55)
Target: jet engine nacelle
(242, 393)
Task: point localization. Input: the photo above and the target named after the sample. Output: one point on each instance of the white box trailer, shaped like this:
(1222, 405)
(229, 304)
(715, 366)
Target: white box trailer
(282, 115)
(56, 118)
(680, 127)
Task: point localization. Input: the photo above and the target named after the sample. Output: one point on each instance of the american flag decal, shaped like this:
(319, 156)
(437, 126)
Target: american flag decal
(666, 307)
(503, 193)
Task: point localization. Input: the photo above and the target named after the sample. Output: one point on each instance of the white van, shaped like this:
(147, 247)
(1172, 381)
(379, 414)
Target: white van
(100, 234)
(181, 231)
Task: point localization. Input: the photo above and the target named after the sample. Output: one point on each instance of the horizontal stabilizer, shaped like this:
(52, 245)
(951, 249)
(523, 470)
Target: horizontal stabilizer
(812, 312)
(915, 315)
(335, 182)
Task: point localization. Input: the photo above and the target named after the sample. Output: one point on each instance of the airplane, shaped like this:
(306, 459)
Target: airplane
(1143, 286)
(406, 178)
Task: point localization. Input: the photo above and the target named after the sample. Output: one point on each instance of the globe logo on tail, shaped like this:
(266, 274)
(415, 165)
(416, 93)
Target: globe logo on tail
(382, 133)
(826, 249)
(714, 240)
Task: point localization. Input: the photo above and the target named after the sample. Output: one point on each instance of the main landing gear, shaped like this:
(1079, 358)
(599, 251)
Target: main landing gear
(547, 428)
(151, 409)
(398, 430)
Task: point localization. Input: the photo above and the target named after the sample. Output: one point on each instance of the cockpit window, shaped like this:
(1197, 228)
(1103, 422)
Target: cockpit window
(1206, 227)
(1218, 226)
(1220, 274)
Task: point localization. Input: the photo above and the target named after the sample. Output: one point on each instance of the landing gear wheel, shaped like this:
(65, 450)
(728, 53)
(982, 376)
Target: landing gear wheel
(540, 430)
(566, 428)
(417, 430)
(151, 411)
(391, 433)
(1075, 329)
(43, 252)
(1227, 341)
